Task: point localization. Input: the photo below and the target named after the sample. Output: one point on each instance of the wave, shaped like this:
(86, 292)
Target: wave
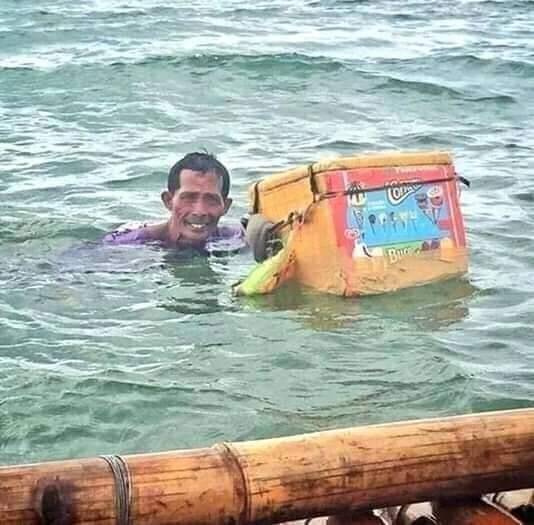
(136, 181)
(525, 197)
(426, 87)
(242, 61)
(19, 232)
(17, 68)
(502, 65)
(401, 85)
(498, 98)
(471, 62)
(264, 10)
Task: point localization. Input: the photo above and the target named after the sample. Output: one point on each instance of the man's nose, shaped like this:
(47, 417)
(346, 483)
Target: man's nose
(199, 208)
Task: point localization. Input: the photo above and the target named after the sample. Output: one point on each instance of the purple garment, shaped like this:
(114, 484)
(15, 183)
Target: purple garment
(136, 233)
(227, 238)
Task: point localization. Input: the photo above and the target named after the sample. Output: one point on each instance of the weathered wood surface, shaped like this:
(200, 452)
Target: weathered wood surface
(281, 479)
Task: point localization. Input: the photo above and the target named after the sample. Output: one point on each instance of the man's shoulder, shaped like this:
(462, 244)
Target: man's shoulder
(229, 238)
(129, 233)
(230, 229)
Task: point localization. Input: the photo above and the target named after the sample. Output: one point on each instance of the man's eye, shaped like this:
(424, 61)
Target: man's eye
(213, 200)
(188, 197)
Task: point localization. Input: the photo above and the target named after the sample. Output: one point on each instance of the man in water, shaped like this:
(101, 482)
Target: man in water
(196, 197)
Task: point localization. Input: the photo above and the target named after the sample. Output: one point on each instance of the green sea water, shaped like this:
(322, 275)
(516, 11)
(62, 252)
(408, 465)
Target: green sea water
(133, 349)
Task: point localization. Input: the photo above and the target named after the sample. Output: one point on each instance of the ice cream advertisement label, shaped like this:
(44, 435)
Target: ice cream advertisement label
(393, 213)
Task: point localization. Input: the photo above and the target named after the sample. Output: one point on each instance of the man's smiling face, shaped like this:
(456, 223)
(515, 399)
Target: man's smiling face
(196, 207)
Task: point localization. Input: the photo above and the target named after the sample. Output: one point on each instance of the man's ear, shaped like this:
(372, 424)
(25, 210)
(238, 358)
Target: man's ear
(166, 198)
(227, 204)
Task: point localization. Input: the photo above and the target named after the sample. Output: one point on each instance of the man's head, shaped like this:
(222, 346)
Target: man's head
(197, 197)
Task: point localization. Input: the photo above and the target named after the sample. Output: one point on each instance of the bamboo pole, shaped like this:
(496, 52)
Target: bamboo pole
(281, 479)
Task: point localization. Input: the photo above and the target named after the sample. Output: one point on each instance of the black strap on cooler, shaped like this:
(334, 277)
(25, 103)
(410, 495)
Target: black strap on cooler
(355, 188)
(352, 190)
(463, 180)
(317, 196)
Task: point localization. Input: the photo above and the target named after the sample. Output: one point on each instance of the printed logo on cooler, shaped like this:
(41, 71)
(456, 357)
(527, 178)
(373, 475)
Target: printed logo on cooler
(398, 192)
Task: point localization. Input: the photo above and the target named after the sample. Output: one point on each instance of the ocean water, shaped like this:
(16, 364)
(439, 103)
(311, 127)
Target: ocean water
(134, 350)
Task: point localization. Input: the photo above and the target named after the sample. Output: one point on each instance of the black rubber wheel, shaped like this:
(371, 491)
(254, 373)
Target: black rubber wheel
(260, 237)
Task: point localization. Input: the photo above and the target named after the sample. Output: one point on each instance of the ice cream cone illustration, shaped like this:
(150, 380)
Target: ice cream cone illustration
(403, 216)
(372, 222)
(393, 220)
(383, 218)
(413, 218)
(422, 200)
(423, 204)
(435, 194)
(359, 219)
(357, 197)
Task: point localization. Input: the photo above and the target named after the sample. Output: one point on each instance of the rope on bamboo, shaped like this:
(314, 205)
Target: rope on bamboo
(123, 486)
(242, 486)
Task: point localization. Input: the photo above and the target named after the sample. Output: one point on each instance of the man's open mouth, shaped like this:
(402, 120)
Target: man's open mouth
(197, 226)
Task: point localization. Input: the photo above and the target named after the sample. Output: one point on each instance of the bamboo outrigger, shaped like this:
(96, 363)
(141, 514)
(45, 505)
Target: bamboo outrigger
(334, 472)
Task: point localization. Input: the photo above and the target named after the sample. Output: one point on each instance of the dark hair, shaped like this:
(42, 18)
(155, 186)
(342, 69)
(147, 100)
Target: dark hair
(203, 162)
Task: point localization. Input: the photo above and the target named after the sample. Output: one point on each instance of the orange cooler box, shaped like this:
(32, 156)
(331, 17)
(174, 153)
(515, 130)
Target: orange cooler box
(373, 223)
